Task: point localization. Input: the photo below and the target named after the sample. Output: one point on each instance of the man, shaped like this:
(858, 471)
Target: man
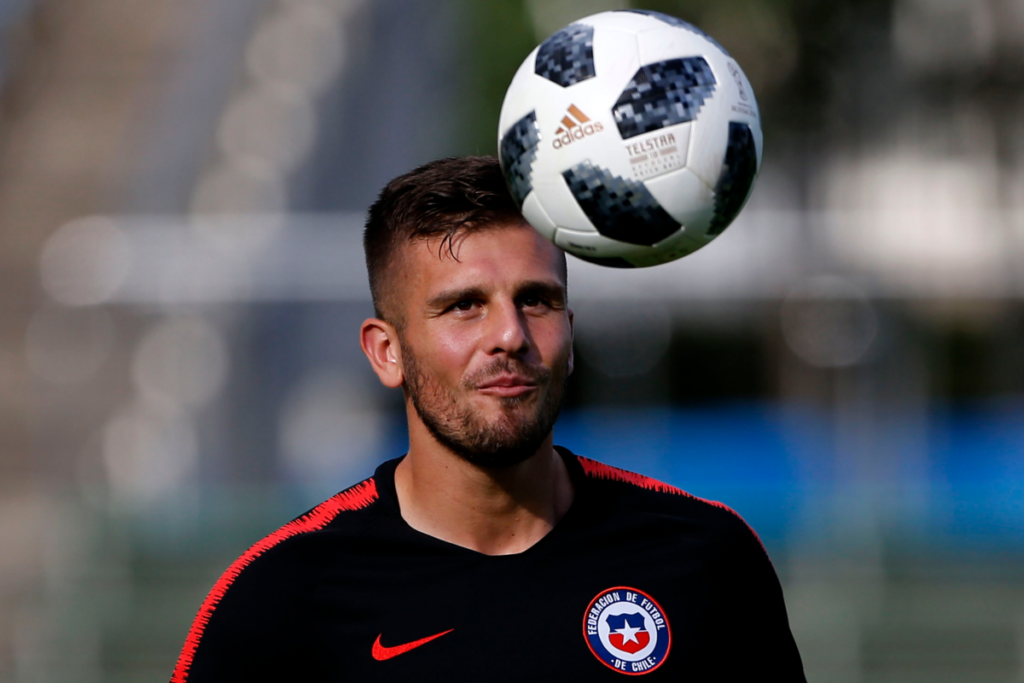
(486, 553)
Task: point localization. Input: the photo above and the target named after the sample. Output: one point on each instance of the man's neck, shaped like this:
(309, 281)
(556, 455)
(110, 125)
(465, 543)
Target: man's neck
(492, 511)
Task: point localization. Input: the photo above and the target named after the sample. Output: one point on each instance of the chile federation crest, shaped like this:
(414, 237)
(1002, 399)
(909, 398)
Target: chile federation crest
(627, 630)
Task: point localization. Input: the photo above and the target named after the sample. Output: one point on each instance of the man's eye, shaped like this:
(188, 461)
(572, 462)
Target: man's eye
(463, 305)
(532, 301)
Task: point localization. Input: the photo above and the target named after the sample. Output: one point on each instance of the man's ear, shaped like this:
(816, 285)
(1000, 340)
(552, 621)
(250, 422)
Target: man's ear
(379, 341)
(572, 339)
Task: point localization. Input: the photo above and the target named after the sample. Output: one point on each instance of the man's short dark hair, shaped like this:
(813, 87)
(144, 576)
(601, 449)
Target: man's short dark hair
(438, 199)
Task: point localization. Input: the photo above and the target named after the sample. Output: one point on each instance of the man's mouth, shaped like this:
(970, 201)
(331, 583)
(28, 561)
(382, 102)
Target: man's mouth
(507, 385)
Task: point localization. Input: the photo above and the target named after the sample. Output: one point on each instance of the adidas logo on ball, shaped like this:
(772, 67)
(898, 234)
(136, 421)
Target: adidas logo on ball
(575, 126)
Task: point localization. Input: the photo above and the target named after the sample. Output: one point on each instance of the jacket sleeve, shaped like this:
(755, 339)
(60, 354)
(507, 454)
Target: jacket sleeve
(250, 626)
(762, 643)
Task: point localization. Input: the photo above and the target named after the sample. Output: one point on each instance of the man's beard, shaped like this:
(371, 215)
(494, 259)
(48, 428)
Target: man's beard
(512, 438)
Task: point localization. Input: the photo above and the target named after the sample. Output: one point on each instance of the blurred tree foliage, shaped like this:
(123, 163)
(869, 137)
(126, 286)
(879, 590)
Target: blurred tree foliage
(801, 56)
(499, 36)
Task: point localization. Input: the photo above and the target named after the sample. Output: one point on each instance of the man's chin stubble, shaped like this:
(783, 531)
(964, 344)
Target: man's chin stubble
(510, 440)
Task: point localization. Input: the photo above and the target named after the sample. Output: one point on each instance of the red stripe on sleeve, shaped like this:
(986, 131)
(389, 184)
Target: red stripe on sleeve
(355, 498)
(599, 470)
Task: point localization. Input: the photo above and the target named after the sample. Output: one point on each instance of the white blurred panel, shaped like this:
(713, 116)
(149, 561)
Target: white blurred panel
(922, 224)
(949, 241)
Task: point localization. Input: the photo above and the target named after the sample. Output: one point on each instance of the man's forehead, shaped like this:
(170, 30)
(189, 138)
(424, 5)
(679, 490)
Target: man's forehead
(505, 253)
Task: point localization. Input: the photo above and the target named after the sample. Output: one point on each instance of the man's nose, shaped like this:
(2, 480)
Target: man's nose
(508, 331)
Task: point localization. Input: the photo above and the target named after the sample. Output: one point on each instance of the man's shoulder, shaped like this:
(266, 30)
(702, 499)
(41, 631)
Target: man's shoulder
(266, 576)
(344, 514)
(643, 494)
(643, 489)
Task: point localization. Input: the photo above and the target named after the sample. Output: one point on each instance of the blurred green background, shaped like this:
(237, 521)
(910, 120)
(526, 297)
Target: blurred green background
(181, 193)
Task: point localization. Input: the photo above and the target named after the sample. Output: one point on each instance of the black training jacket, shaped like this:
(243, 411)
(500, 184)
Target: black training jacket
(638, 578)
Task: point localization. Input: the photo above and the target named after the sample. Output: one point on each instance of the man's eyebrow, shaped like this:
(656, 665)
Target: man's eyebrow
(552, 290)
(549, 289)
(447, 297)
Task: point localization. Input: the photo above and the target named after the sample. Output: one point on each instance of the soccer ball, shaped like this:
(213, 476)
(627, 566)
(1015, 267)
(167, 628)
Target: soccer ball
(630, 138)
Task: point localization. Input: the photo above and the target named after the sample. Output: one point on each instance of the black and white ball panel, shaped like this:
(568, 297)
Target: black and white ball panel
(738, 173)
(567, 57)
(678, 23)
(517, 152)
(616, 58)
(596, 248)
(619, 208)
(663, 94)
(687, 198)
